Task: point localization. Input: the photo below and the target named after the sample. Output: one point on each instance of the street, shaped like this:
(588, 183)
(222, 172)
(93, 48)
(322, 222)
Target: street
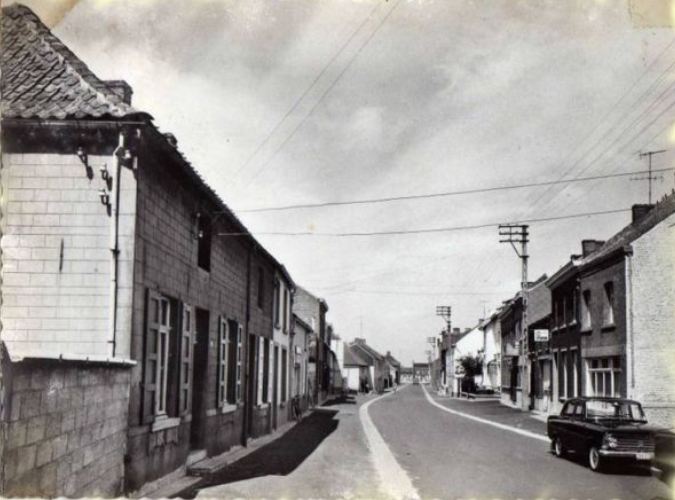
(444, 455)
(451, 457)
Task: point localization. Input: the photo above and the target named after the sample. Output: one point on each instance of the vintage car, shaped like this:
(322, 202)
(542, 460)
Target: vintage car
(603, 429)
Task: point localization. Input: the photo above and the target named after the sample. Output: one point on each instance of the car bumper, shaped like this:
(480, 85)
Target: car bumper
(635, 455)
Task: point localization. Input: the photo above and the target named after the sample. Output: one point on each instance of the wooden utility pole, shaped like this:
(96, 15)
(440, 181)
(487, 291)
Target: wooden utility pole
(649, 178)
(518, 234)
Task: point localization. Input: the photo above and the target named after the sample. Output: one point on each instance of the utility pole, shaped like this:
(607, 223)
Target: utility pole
(518, 234)
(649, 178)
(445, 312)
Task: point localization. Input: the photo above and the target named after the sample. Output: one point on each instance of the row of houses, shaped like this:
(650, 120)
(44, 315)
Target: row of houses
(143, 328)
(601, 325)
(366, 370)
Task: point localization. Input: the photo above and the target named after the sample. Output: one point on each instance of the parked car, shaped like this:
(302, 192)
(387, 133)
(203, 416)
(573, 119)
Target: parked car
(603, 429)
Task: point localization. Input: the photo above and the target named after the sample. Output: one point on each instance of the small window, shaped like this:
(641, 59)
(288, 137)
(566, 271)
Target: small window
(261, 287)
(586, 310)
(608, 305)
(276, 304)
(204, 242)
(223, 348)
(285, 310)
(266, 371)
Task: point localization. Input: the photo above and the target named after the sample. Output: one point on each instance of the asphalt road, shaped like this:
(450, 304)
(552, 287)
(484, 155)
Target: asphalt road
(448, 456)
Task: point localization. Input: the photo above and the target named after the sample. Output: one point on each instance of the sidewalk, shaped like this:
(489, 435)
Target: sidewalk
(324, 456)
(495, 411)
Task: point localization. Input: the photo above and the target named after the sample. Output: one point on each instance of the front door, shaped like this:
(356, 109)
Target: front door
(514, 379)
(201, 356)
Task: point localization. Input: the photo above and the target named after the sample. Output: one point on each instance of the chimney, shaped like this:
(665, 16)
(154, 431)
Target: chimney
(121, 88)
(171, 139)
(590, 246)
(456, 331)
(360, 341)
(639, 212)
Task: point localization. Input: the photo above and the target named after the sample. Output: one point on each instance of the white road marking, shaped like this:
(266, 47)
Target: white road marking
(505, 427)
(394, 481)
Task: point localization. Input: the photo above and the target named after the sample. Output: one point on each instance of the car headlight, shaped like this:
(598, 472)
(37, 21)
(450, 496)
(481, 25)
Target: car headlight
(610, 441)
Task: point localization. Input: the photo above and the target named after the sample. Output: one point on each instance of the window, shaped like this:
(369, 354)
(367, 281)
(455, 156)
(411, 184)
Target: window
(284, 373)
(568, 409)
(285, 306)
(261, 287)
(604, 376)
(204, 242)
(562, 375)
(276, 302)
(586, 310)
(608, 305)
(235, 366)
(223, 348)
(167, 365)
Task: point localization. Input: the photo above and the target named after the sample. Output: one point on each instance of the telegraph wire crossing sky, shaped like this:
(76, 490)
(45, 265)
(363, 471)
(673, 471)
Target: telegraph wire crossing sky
(478, 112)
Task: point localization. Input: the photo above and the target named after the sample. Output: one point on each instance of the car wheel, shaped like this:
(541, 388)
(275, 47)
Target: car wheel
(594, 459)
(557, 447)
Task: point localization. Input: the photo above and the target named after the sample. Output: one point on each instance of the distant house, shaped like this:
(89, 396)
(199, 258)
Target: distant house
(300, 361)
(406, 375)
(469, 344)
(540, 359)
(377, 363)
(394, 369)
(421, 374)
(492, 353)
(357, 370)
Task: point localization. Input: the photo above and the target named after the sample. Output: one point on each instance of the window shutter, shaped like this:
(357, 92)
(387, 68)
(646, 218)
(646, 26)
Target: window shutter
(222, 362)
(186, 357)
(150, 356)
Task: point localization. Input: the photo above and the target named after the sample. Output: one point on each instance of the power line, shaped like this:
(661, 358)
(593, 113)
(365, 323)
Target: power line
(443, 194)
(610, 110)
(430, 230)
(307, 90)
(326, 92)
(430, 294)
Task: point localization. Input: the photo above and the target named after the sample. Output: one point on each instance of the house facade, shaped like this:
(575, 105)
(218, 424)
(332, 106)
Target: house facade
(510, 319)
(312, 310)
(129, 289)
(357, 370)
(492, 353)
(300, 362)
(540, 358)
(377, 363)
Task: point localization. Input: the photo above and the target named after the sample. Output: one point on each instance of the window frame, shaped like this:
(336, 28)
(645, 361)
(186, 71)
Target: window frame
(221, 373)
(608, 304)
(204, 240)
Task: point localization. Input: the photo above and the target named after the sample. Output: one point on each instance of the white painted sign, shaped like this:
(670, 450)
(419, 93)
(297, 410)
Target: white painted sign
(541, 335)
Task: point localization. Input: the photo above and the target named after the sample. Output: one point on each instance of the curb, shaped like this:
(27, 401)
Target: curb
(498, 425)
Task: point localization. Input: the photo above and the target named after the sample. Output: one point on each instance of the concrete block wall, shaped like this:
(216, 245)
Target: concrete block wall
(66, 429)
(652, 312)
(56, 257)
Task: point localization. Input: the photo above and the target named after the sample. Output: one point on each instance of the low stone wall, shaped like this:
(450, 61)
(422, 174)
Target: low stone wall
(66, 429)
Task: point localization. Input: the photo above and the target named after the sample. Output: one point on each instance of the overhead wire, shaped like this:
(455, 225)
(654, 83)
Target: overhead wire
(427, 230)
(306, 91)
(323, 96)
(388, 199)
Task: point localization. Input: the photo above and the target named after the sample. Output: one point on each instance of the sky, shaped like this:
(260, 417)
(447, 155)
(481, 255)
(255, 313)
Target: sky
(304, 101)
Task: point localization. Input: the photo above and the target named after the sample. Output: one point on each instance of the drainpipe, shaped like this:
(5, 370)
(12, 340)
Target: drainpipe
(114, 239)
(630, 342)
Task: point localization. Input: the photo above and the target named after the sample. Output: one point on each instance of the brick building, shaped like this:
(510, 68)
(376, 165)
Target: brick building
(626, 312)
(137, 312)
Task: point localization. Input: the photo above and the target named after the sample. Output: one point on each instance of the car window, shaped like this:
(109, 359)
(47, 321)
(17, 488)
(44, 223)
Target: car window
(568, 409)
(579, 410)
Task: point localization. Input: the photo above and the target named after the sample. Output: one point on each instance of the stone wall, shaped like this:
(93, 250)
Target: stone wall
(66, 429)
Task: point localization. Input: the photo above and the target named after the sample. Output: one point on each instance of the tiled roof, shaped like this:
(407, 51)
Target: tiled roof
(42, 78)
(664, 209)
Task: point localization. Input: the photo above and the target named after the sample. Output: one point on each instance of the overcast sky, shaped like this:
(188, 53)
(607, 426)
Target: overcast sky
(400, 97)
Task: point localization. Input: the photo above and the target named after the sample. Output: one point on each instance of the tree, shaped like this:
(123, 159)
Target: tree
(472, 366)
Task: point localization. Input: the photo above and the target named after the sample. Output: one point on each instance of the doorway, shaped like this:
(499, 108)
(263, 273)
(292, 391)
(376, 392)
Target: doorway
(251, 384)
(200, 361)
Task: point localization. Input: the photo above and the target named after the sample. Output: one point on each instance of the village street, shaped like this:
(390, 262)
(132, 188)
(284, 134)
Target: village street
(444, 456)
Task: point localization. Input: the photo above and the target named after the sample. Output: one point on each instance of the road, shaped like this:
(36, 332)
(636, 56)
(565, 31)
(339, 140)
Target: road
(448, 456)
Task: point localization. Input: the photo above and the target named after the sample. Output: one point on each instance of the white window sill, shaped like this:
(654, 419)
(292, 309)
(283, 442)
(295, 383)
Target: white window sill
(228, 408)
(261, 406)
(164, 423)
